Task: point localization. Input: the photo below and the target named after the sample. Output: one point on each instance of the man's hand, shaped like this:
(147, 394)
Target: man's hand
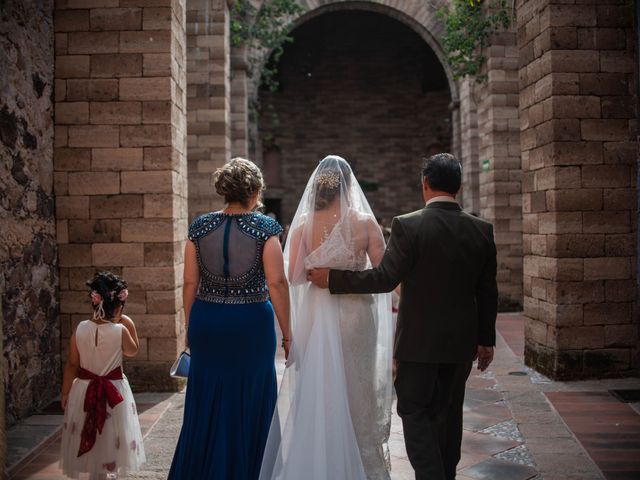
(485, 357)
(319, 277)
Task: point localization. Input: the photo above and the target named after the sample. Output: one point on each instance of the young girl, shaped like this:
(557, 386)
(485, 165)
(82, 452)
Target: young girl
(101, 434)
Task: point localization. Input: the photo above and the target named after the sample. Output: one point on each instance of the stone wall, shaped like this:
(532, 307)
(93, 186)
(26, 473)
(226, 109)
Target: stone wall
(120, 166)
(577, 112)
(469, 146)
(380, 100)
(208, 99)
(28, 270)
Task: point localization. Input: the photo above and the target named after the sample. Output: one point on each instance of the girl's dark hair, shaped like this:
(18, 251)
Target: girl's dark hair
(238, 180)
(108, 286)
(329, 180)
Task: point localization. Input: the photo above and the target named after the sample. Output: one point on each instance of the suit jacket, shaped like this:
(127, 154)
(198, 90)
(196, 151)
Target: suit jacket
(446, 262)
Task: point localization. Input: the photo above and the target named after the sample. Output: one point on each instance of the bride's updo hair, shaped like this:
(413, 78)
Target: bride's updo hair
(328, 180)
(238, 180)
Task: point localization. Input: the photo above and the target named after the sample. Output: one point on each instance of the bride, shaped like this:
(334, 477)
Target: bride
(334, 408)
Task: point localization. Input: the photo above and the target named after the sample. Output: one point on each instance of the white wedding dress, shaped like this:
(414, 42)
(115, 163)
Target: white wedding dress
(334, 407)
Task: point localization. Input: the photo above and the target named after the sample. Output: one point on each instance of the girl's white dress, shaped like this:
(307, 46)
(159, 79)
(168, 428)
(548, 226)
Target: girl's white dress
(119, 448)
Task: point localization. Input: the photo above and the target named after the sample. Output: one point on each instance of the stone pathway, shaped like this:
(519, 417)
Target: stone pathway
(518, 426)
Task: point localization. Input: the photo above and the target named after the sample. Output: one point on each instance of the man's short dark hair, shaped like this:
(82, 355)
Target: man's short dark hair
(443, 172)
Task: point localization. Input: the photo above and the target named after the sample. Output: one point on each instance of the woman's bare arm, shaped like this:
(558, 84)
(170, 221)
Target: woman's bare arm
(191, 280)
(273, 263)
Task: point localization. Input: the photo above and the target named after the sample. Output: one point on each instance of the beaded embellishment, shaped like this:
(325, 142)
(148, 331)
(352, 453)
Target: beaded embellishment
(249, 287)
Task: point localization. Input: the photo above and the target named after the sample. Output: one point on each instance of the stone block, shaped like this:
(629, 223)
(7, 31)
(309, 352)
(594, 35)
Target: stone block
(74, 255)
(149, 278)
(116, 206)
(122, 254)
(74, 302)
(156, 64)
(148, 230)
(156, 18)
(558, 130)
(604, 84)
(610, 130)
(147, 41)
(66, 4)
(620, 336)
(607, 314)
(574, 200)
(145, 135)
(575, 245)
(620, 290)
(72, 66)
(163, 254)
(117, 65)
(607, 268)
(94, 231)
(60, 183)
(604, 362)
(116, 19)
(557, 177)
(159, 181)
(72, 159)
(619, 106)
(561, 315)
(71, 21)
(580, 337)
(615, 15)
(155, 325)
(623, 245)
(606, 222)
(565, 292)
(116, 159)
(609, 176)
(146, 88)
(602, 38)
(164, 349)
(94, 183)
(60, 90)
(616, 61)
(72, 113)
(92, 90)
(575, 106)
(576, 153)
(75, 206)
(574, 61)
(620, 153)
(93, 42)
(570, 269)
(160, 158)
(157, 112)
(569, 15)
(168, 301)
(116, 113)
(560, 222)
(161, 206)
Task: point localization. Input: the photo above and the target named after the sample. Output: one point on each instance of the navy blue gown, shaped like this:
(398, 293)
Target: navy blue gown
(231, 390)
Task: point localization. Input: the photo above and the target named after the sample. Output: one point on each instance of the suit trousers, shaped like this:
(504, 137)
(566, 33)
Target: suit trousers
(430, 400)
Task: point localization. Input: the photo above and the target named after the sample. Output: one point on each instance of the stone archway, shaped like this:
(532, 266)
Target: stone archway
(363, 85)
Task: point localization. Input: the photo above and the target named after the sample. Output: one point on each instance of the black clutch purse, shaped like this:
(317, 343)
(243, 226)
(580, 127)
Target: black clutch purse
(180, 368)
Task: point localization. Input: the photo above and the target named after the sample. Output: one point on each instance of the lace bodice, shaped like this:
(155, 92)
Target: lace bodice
(229, 251)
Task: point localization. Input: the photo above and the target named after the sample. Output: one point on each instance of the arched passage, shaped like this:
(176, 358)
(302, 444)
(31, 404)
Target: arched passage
(363, 85)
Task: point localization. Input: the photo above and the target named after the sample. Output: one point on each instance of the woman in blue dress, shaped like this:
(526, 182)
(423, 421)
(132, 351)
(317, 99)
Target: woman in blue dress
(234, 282)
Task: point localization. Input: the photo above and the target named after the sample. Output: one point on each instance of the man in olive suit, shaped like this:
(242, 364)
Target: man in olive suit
(445, 260)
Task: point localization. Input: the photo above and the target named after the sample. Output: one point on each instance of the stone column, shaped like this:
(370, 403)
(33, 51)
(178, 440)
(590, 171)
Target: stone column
(208, 99)
(577, 121)
(28, 267)
(499, 156)
(469, 146)
(239, 104)
(120, 168)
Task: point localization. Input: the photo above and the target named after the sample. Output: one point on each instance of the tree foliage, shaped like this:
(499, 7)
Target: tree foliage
(468, 26)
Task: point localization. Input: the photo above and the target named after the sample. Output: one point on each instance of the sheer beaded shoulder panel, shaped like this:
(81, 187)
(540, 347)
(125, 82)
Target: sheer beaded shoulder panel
(229, 250)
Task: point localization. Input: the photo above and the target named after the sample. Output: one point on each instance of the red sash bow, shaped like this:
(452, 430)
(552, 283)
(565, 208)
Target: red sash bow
(99, 392)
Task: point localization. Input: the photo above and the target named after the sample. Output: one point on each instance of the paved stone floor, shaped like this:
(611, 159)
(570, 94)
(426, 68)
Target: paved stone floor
(518, 425)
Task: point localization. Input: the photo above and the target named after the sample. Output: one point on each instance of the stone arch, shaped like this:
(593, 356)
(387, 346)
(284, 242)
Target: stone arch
(418, 15)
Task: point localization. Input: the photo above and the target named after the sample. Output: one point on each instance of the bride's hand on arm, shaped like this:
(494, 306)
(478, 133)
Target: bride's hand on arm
(273, 263)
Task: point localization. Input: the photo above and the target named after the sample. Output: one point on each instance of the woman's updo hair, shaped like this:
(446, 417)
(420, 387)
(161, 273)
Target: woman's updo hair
(328, 180)
(108, 293)
(238, 180)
